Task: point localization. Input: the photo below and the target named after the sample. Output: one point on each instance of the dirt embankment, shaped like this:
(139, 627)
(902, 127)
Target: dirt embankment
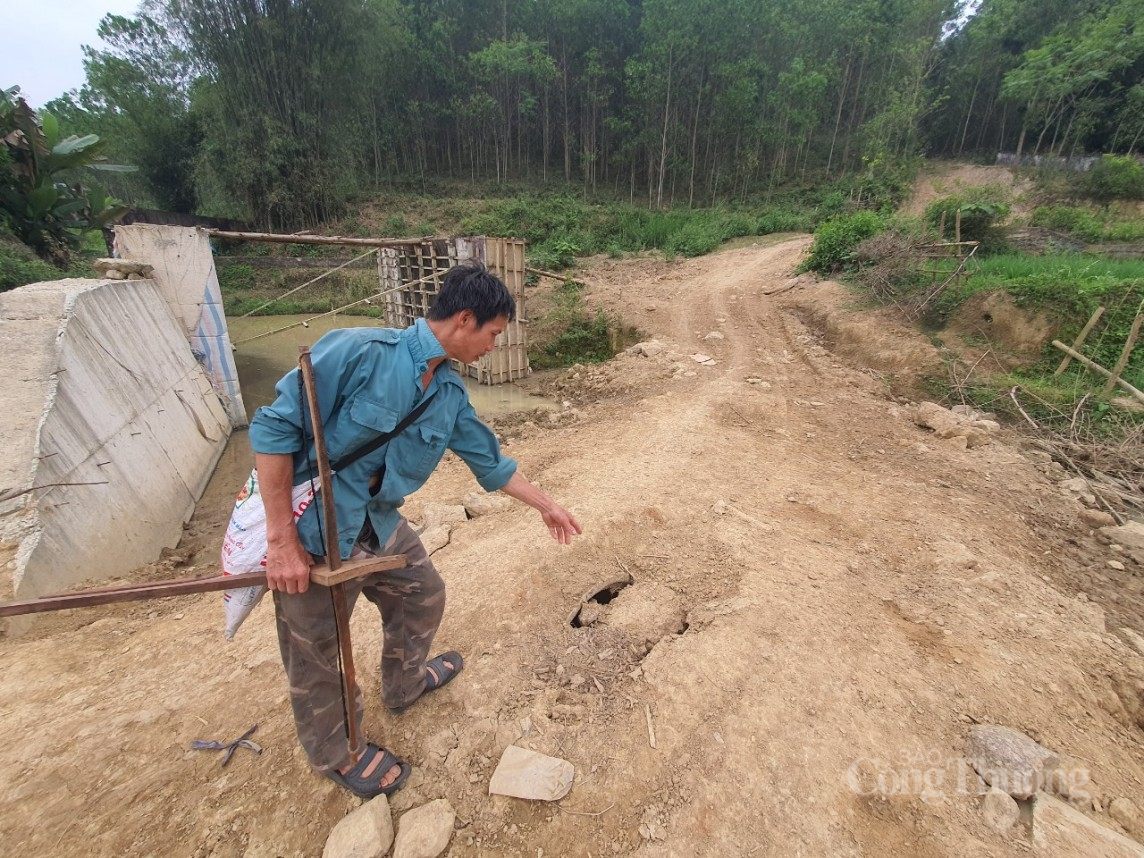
(820, 586)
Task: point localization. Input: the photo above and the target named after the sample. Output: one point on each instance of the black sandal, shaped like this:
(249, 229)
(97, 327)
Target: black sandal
(437, 675)
(355, 781)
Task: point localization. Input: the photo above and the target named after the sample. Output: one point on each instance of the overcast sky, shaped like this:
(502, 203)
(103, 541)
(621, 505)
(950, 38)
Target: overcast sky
(41, 43)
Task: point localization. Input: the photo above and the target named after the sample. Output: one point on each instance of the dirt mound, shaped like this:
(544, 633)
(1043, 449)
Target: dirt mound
(943, 179)
(856, 594)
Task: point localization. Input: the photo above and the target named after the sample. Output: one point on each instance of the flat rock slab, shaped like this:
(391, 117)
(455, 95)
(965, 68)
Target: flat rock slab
(1061, 830)
(1130, 535)
(522, 773)
(433, 514)
(424, 832)
(365, 833)
(483, 503)
(1009, 760)
(436, 537)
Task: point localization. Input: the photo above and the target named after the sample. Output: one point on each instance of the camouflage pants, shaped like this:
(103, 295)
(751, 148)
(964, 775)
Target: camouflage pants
(411, 601)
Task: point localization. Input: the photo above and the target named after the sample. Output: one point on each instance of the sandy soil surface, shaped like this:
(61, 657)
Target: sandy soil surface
(823, 593)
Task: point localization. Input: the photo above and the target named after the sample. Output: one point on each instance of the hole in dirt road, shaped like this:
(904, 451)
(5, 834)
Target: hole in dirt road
(600, 595)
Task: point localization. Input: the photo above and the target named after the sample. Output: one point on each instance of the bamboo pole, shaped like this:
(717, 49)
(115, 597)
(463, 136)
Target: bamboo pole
(1129, 344)
(542, 273)
(1079, 341)
(279, 238)
(1098, 368)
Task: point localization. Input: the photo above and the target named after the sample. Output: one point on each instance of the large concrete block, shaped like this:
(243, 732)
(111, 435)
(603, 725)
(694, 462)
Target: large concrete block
(117, 423)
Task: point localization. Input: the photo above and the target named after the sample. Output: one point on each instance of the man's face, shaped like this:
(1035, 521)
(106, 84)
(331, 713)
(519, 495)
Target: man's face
(475, 341)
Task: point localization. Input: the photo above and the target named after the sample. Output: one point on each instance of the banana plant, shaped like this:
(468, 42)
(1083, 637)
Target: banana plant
(40, 205)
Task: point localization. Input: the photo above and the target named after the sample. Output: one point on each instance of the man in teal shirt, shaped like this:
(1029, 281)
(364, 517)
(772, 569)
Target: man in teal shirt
(368, 380)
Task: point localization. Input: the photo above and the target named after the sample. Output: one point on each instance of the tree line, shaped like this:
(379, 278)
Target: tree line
(278, 111)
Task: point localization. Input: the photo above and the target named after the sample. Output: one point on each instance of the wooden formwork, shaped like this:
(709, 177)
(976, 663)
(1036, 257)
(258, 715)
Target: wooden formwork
(413, 271)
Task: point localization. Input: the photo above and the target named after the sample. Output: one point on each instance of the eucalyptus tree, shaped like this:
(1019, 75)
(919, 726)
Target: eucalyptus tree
(137, 95)
(279, 90)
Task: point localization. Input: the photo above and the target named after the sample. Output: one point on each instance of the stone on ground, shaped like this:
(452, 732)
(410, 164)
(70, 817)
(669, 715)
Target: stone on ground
(1130, 535)
(1009, 760)
(433, 514)
(482, 503)
(424, 832)
(1000, 810)
(365, 833)
(527, 774)
(1125, 812)
(1059, 829)
(436, 537)
(950, 426)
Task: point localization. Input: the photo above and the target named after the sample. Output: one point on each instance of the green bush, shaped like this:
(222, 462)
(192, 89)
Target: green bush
(1089, 226)
(1077, 221)
(19, 266)
(236, 278)
(980, 220)
(1116, 177)
(783, 220)
(585, 339)
(694, 238)
(554, 255)
(836, 240)
(737, 225)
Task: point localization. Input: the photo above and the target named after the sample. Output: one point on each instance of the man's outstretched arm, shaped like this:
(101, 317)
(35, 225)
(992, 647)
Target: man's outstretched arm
(562, 525)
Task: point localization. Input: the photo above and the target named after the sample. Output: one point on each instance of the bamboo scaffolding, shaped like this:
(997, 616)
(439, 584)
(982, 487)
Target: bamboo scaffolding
(1079, 341)
(1095, 367)
(1129, 344)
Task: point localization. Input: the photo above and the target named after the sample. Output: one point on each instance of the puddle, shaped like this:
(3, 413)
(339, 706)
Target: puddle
(261, 363)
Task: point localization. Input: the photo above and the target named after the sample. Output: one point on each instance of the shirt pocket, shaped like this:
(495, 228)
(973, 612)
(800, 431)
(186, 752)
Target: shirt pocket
(368, 420)
(433, 441)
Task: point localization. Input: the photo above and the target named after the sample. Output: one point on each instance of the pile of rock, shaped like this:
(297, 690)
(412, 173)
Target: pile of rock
(960, 425)
(1056, 787)
(439, 519)
(122, 269)
(423, 832)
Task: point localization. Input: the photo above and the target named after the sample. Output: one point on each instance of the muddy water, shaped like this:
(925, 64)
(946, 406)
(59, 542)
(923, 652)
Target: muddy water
(262, 362)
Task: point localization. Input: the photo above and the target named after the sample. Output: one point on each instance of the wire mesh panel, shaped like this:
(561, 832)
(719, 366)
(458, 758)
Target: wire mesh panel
(414, 269)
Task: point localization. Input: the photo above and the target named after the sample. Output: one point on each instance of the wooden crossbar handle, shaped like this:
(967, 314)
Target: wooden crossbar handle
(319, 574)
(356, 568)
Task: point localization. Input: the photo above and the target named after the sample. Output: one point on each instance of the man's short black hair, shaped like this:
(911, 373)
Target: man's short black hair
(471, 286)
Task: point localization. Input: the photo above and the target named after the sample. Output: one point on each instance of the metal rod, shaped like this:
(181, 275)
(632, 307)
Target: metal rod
(333, 553)
(130, 593)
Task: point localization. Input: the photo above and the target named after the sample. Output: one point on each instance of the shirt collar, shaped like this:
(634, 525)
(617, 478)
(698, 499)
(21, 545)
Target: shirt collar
(423, 345)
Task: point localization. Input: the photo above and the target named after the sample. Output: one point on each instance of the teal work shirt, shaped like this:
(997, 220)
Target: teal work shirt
(368, 379)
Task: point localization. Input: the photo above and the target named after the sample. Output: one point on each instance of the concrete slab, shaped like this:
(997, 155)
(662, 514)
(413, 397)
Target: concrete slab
(1062, 831)
(114, 419)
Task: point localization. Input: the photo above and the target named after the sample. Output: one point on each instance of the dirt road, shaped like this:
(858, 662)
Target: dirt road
(823, 593)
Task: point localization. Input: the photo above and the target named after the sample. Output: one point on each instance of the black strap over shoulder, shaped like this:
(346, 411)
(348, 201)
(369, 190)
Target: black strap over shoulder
(368, 447)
